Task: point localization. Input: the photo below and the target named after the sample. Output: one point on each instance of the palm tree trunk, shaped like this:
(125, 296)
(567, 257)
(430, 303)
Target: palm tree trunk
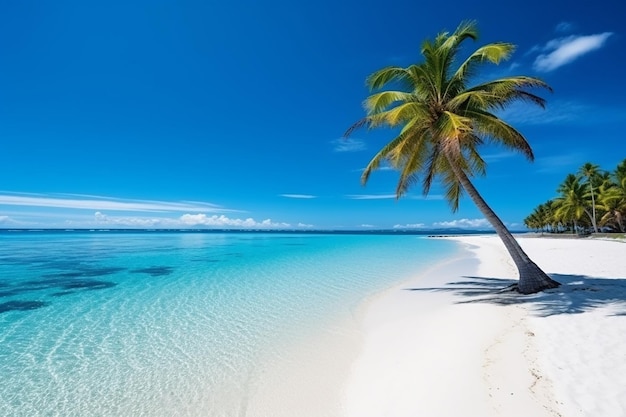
(593, 208)
(593, 222)
(531, 278)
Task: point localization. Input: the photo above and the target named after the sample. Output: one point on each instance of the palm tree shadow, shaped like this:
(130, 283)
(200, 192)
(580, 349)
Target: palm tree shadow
(577, 294)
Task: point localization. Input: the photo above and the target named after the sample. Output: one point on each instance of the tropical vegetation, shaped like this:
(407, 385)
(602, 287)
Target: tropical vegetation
(441, 121)
(591, 201)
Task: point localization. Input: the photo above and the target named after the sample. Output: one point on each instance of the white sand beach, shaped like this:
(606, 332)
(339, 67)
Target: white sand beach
(447, 343)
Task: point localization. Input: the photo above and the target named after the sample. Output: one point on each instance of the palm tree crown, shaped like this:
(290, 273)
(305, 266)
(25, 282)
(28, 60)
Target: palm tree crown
(443, 121)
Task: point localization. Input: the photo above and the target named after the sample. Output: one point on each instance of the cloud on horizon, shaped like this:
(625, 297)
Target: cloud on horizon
(7, 220)
(562, 51)
(465, 224)
(410, 226)
(223, 221)
(188, 220)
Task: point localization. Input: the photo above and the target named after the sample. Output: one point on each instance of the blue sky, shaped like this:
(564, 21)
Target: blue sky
(231, 114)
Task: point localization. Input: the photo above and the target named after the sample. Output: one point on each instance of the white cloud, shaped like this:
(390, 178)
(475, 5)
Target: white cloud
(202, 219)
(393, 196)
(369, 226)
(8, 221)
(465, 224)
(513, 66)
(105, 203)
(348, 145)
(565, 50)
(141, 222)
(371, 196)
(383, 167)
(304, 225)
(410, 226)
(429, 197)
(188, 220)
(495, 157)
(298, 196)
(564, 27)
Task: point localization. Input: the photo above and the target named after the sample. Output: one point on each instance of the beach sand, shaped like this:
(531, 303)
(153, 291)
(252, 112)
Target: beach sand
(447, 343)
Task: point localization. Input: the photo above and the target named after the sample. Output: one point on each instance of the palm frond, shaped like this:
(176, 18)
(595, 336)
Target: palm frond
(451, 125)
(493, 52)
(452, 187)
(386, 75)
(380, 101)
(382, 155)
(433, 167)
(356, 126)
(499, 132)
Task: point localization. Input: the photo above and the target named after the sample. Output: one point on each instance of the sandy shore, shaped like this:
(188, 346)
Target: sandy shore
(449, 344)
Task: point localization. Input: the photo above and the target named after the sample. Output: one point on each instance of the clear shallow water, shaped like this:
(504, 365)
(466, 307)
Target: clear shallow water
(163, 324)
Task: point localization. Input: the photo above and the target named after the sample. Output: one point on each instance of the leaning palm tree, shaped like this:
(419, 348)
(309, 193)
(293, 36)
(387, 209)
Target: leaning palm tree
(443, 121)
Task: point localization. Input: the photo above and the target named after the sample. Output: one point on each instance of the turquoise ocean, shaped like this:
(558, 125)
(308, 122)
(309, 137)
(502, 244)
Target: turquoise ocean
(175, 324)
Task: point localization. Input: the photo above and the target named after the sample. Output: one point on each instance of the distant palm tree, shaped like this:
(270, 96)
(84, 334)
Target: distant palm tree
(572, 204)
(612, 198)
(443, 121)
(542, 218)
(620, 174)
(591, 172)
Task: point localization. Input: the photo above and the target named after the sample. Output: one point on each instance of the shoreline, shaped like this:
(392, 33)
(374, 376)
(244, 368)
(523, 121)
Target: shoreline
(445, 343)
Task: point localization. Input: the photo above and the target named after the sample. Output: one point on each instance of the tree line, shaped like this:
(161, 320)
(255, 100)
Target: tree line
(590, 201)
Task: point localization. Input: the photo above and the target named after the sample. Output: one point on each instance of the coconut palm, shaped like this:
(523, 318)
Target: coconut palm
(612, 198)
(541, 218)
(591, 172)
(443, 122)
(572, 203)
(620, 174)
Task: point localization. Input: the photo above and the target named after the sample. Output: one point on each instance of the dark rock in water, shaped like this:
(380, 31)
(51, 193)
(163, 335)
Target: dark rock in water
(21, 306)
(155, 271)
(9, 293)
(87, 284)
(66, 283)
(61, 293)
(86, 272)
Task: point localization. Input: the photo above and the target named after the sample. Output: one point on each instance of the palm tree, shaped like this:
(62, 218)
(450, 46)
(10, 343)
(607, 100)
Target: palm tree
(572, 202)
(542, 217)
(443, 121)
(620, 174)
(591, 172)
(612, 198)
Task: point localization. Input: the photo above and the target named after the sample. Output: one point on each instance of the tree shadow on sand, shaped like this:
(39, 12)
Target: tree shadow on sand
(577, 294)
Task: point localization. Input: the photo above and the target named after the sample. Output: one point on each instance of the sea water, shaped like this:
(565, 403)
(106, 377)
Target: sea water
(174, 324)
